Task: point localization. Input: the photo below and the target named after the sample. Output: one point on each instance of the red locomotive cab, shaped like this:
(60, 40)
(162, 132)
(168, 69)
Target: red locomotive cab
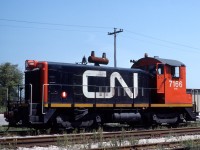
(168, 83)
(175, 85)
(171, 82)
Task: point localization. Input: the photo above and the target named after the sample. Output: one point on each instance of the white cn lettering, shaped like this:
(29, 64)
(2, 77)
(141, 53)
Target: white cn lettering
(113, 76)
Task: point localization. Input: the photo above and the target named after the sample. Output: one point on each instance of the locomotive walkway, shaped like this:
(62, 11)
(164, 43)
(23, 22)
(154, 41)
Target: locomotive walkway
(116, 139)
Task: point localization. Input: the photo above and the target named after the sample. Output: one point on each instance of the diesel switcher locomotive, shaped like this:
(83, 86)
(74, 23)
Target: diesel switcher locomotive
(152, 91)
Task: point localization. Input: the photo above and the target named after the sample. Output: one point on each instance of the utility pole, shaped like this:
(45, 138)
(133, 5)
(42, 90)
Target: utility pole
(115, 34)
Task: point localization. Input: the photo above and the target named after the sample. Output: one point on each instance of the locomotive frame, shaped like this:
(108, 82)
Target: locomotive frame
(152, 91)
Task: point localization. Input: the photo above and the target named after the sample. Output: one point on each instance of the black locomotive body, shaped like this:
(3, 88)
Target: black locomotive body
(96, 85)
(80, 95)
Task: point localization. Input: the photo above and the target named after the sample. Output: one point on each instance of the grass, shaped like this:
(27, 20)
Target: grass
(65, 142)
(97, 141)
(190, 145)
(100, 142)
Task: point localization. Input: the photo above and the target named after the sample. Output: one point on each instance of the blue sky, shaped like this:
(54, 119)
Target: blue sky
(65, 31)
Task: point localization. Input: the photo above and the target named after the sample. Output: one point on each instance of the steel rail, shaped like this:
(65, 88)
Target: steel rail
(82, 138)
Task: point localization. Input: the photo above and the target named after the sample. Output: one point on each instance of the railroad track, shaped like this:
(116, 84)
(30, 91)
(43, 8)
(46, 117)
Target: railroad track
(97, 137)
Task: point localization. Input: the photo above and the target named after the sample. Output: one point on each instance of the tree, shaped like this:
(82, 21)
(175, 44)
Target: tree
(10, 77)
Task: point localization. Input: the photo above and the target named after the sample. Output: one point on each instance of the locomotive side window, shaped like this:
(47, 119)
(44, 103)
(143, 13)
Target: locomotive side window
(152, 69)
(160, 69)
(175, 72)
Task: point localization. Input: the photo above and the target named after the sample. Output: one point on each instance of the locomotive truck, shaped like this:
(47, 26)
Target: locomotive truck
(152, 91)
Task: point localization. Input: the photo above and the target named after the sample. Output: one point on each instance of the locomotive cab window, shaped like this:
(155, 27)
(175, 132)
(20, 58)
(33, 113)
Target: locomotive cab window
(175, 71)
(160, 69)
(152, 69)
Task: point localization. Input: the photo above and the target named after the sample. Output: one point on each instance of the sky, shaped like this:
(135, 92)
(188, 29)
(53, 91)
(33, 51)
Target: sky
(65, 31)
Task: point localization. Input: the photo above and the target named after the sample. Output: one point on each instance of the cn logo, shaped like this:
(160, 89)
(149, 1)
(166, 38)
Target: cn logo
(113, 77)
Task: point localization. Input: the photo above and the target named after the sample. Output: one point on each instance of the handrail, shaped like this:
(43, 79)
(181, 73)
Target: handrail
(96, 88)
(99, 89)
(197, 99)
(31, 100)
(43, 98)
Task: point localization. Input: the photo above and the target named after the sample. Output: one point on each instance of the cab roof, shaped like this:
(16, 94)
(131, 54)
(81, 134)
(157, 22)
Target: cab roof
(154, 60)
(170, 62)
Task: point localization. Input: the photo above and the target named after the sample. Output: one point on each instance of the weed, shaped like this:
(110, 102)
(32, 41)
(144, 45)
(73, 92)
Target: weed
(188, 144)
